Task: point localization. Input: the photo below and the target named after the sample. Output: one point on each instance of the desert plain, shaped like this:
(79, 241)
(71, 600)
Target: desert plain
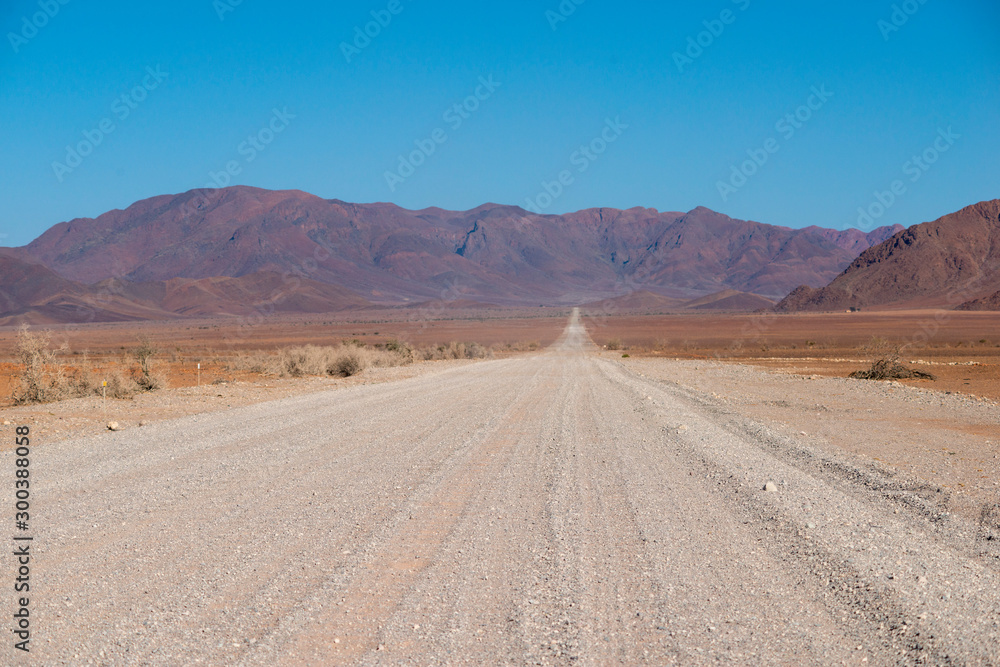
(615, 488)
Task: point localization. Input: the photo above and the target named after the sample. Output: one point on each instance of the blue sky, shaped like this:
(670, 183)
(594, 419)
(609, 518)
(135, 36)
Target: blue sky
(268, 90)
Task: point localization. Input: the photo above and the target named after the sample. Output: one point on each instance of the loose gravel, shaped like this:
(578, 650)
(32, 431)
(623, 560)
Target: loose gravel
(563, 508)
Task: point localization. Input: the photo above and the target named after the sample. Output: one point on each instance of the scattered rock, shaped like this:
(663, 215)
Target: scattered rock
(771, 487)
(810, 526)
(6, 423)
(114, 426)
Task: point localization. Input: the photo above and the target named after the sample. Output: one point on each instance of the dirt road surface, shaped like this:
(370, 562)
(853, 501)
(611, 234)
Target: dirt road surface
(556, 508)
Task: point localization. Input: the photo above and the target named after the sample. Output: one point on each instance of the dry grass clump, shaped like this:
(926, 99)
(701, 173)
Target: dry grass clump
(83, 381)
(120, 384)
(340, 361)
(519, 346)
(885, 363)
(42, 379)
(143, 374)
(615, 344)
(304, 360)
(259, 363)
(349, 358)
(347, 364)
(456, 351)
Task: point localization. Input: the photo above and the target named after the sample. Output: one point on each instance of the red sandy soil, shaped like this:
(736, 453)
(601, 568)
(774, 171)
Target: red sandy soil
(183, 344)
(807, 343)
(961, 348)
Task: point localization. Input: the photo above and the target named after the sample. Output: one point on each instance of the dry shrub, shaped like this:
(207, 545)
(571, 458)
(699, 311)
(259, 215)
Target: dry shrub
(519, 346)
(343, 361)
(305, 360)
(884, 357)
(82, 381)
(120, 384)
(456, 351)
(259, 362)
(400, 350)
(42, 379)
(347, 363)
(351, 360)
(145, 378)
(615, 344)
(389, 358)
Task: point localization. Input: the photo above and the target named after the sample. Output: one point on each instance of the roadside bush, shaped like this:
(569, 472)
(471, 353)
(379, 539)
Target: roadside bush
(615, 344)
(401, 356)
(41, 379)
(343, 361)
(82, 381)
(884, 357)
(400, 349)
(304, 360)
(143, 375)
(261, 363)
(347, 363)
(518, 346)
(120, 385)
(456, 351)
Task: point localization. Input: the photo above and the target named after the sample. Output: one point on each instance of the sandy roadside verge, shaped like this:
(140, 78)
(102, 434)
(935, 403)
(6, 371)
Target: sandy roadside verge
(52, 422)
(948, 441)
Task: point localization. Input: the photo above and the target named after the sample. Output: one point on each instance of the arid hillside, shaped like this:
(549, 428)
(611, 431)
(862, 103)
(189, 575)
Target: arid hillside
(949, 262)
(392, 256)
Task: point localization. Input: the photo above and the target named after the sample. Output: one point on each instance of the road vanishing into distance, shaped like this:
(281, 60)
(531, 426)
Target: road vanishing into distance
(554, 509)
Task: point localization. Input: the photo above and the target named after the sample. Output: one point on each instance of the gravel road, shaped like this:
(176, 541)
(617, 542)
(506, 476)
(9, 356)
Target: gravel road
(558, 508)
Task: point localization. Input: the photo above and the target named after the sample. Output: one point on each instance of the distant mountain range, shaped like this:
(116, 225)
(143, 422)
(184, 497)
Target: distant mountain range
(952, 262)
(242, 250)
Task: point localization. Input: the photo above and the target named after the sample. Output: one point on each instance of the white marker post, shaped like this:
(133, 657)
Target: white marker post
(199, 375)
(104, 393)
